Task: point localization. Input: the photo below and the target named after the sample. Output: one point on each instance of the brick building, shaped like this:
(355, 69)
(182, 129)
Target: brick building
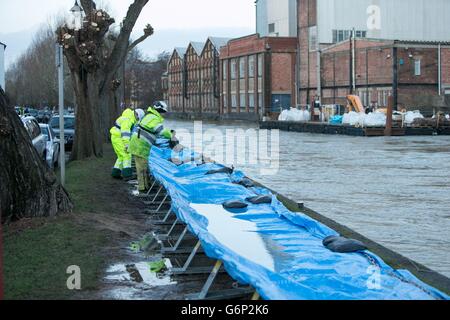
(409, 71)
(258, 76)
(175, 75)
(338, 56)
(194, 78)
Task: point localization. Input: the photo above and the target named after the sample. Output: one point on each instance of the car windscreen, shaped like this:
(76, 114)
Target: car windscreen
(69, 123)
(45, 133)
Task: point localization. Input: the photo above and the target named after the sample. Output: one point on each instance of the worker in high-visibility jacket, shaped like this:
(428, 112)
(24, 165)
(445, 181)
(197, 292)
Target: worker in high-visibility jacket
(120, 138)
(149, 129)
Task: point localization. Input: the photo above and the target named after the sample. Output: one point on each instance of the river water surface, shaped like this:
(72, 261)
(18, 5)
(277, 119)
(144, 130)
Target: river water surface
(395, 191)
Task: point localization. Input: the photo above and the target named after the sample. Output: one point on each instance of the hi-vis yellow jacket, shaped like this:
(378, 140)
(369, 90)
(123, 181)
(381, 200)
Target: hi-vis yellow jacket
(147, 132)
(124, 125)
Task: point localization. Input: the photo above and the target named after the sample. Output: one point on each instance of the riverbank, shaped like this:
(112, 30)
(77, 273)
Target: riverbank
(37, 252)
(338, 129)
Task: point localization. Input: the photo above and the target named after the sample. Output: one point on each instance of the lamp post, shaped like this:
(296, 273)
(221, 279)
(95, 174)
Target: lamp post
(77, 16)
(75, 22)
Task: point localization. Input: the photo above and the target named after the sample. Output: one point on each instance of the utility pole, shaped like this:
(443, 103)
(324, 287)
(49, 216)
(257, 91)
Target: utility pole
(62, 153)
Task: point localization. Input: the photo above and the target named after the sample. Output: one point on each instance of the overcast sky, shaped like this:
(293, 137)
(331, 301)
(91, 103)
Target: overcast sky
(17, 15)
(19, 18)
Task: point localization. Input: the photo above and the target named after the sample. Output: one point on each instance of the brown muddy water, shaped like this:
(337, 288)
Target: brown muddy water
(393, 190)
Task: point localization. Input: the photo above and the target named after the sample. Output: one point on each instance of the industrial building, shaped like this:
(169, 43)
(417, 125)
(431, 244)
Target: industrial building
(2, 65)
(258, 76)
(374, 48)
(309, 50)
(276, 18)
(194, 78)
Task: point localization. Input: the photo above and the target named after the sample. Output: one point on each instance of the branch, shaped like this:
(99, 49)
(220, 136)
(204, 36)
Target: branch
(148, 31)
(121, 47)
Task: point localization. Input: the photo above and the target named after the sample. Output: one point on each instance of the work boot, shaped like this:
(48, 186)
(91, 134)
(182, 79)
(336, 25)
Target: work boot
(127, 173)
(116, 173)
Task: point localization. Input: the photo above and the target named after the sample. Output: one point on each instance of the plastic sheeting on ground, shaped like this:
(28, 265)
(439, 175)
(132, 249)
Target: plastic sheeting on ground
(278, 252)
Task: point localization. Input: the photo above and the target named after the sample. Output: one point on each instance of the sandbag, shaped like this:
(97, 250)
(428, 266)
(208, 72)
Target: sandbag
(343, 245)
(246, 182)
(260, 199)
(375, 119)
(410, 116)
(234, 204)
(221, 170)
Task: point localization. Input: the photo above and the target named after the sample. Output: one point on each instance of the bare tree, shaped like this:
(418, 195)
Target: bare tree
(32, 79)
(143, 78)
(28, 188)
(94, 65)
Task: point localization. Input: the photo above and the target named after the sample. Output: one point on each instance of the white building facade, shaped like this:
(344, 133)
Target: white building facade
(2, 65)
(276, 18)
(415, 20)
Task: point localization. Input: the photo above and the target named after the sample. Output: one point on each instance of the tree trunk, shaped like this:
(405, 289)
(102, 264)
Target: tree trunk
(88, 139)
(94, 64)
(28, 188)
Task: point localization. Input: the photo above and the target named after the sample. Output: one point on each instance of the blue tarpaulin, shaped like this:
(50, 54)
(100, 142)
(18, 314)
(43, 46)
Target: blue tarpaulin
(276, 251)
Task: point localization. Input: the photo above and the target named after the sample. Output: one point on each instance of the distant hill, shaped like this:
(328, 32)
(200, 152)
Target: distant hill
(17, 43)
(167, 40)
(162, 40)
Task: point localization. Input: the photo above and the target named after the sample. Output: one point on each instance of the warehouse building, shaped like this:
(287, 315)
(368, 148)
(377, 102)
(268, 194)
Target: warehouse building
(276, 18)
(258, 76)
(194, 78)
(2, 65)
(374, 48)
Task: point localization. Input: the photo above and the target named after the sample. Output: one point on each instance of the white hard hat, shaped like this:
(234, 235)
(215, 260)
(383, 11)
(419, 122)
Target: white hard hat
(161, 106)
(140, 113)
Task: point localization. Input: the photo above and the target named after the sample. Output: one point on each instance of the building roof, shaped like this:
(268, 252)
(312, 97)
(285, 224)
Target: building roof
(218, 42)
(181, 51)
(390, 43)
(198, 46)
(2, 44)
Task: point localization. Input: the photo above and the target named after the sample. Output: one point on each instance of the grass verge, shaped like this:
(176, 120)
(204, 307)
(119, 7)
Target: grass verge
(37, 252)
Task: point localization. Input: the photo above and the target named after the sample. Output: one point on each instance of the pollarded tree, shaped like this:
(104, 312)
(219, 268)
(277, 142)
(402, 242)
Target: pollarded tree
(27, 187)
(94, 60)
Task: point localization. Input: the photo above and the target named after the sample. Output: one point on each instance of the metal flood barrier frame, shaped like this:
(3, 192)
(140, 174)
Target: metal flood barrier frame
(174, 241)
(159, 199)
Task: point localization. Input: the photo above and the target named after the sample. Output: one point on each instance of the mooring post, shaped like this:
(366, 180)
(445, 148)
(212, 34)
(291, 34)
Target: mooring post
(388, 130)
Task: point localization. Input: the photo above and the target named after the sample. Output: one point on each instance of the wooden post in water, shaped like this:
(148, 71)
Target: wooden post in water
(388, 130)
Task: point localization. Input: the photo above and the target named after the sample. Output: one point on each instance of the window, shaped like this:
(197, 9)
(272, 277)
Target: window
(251, 66)
(233, 69)
(260, 65)
(233, 101)
(242, 68)
(260, 100)
(251, 100)
(224, 69)
(417, 67)
(342, 35)
(313, 43)
(271, 27)
(243, 100)
(225, 103)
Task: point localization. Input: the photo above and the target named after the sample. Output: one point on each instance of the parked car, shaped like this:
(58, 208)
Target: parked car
(38, 139)
(30, 112)
(69, 129)
(43, 116)
(52, 146)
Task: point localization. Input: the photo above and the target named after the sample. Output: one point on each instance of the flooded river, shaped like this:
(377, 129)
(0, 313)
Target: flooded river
(395, 191)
